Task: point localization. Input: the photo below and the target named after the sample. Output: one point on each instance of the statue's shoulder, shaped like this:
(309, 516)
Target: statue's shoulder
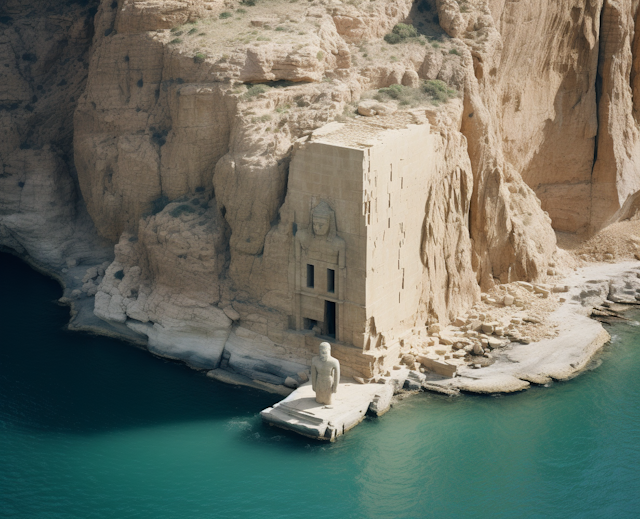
(335, 362)
(339, 243)
(302, 235)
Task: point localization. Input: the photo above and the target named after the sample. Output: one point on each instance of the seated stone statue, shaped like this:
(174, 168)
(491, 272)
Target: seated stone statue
(325, 374)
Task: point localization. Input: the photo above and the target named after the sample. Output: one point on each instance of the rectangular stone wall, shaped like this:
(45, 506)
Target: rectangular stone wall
(398, 172)
(331, 173)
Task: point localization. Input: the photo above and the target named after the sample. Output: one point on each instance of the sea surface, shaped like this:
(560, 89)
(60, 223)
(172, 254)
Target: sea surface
(93, 427)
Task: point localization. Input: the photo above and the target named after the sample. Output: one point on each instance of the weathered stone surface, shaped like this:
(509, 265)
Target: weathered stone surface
(201, 181)
(300, 412)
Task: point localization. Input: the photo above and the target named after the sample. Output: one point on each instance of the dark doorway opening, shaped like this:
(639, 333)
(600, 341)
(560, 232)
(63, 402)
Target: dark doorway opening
(330, 318)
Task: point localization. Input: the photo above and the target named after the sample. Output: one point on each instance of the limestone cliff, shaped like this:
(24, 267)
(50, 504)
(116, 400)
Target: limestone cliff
(44, 52)
(163, 133)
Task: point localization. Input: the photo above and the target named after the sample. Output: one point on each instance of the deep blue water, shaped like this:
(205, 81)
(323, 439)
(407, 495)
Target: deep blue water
(92, 427)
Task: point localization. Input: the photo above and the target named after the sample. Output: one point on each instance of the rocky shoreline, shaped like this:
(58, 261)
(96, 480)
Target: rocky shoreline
(162, 162)
(512, 362)
(603, 290)
(578, 337)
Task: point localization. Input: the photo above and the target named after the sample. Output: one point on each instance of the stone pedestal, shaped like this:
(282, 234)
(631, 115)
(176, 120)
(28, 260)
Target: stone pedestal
(300, 412)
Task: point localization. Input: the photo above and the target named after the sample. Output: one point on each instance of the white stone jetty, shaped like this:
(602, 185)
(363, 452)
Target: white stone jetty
(300, 413)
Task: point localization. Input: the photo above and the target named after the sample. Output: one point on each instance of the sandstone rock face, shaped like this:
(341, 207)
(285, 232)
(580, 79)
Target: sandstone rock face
(615, 172)
(553, 88)
(44, 48)
(165, 282)
(149, 15)
(519, 241)
(37, 196)
(445, 249)
(164, 132)
(548, 112)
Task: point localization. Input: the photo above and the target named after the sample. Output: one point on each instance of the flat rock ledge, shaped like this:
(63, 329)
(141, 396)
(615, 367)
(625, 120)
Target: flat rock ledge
(592, 289)
(515, 368)
(300, 412)
(579, 336)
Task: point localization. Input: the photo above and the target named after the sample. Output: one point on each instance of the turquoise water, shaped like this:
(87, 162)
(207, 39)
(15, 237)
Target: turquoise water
(91, 427)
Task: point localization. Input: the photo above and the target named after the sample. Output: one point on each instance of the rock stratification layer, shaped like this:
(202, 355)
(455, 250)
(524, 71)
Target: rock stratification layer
(179, 150)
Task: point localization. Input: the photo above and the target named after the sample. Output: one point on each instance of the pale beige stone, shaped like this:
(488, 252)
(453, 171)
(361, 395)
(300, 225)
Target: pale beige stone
(429, 201)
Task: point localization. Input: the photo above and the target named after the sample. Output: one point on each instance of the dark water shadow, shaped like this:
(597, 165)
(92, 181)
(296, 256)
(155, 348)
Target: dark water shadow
(58, 381)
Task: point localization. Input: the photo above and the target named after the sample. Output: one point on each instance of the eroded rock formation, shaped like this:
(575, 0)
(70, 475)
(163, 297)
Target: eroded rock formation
(164, 133)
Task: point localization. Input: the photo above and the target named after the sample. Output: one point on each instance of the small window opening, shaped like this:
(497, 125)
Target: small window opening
(310, 276)
(331, 281)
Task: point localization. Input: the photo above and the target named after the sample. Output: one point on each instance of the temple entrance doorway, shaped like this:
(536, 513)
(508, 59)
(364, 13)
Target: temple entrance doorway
(329, 319)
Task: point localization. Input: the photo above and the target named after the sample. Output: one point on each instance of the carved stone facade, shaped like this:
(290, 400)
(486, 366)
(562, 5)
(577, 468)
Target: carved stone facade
(357, 212)
(324, 206)
(320, 273)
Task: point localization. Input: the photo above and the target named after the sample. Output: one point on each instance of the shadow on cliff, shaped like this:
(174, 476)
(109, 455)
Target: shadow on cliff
(57, 381)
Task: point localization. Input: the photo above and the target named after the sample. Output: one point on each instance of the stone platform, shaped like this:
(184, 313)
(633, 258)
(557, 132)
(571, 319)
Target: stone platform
(300, 412)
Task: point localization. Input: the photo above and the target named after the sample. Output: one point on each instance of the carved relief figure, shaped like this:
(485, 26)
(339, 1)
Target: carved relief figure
(320, 241)
(325, 374)
(320, 273)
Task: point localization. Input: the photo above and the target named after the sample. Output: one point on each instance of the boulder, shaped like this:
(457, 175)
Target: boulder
(409, 361)
(459, 321)
(411, 79)
(488, 328)
(291, 382)
(475, 326)
(369, 108)
(495, 343)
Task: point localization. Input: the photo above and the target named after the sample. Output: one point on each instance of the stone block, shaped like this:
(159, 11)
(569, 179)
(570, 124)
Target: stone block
(291, 382)
(441, 368)
(488, 328)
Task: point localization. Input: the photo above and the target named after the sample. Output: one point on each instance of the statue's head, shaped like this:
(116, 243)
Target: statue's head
(321, 219)
(325, 351)
(321, 225)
